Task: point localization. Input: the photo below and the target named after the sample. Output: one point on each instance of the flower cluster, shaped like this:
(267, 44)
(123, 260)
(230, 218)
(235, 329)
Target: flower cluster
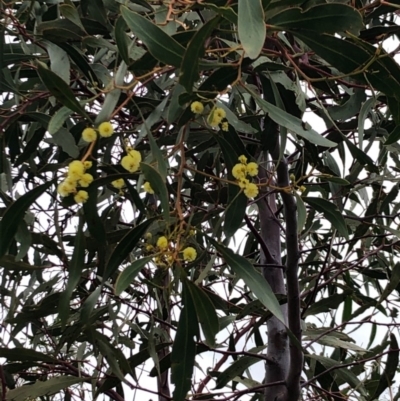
(76, 177)
(131, 162)
(215, 118)
(105, 130)
(241, 171)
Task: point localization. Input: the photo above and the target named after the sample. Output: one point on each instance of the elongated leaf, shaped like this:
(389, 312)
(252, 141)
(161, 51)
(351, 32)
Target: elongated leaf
(189, 68)
(159, 187)
(236, 369)
(245, 270)
(160, 44)
(331, 213)
(251, 26)
(291, 122)
(122, 250)
(122, 39)
(25, 355)
(235, 211)
(322, 18)
(394, 136)
(205, 310)
(184, 348)
(8, 262)
(15, 213)
(129, 273)
(43, 388)
(391, 366)
(301, 213)
(57, 121)
(60, 89)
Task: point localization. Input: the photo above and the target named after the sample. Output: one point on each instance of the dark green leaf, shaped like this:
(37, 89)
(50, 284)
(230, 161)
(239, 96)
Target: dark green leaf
(122, 39)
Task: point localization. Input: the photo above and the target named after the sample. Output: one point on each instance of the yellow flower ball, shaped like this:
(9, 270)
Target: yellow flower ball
(219, 113)
(147, 187)
(89, 135)
(149, 247)
(106, 129)
(251, 190)
(302, 188)
(243, 183)
(292, 177)
(197, 107)
(189, 254)
(87, 165)
(76, 169)
(81, 197)
(242, 159)
(120, 183)
(130, 163)
(213, 119)
(86, 180)
(239, 171)
(162, 243)
(225, 126)
(148, 236)
(252, 169)
(65, 188)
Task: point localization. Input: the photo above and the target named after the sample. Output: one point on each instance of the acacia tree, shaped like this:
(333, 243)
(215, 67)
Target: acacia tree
(194, 192)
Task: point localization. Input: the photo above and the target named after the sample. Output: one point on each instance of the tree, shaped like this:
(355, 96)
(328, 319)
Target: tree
(194, 192)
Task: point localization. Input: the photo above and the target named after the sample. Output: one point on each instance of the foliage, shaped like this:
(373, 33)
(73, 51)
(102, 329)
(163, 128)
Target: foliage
(159, 158)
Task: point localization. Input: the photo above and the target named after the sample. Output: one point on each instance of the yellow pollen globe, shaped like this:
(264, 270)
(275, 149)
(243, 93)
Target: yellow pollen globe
(81, 197)
(251, 190)
(162, 243)
(302, 188)
(243, 183)
(225, 126)
(76, 169)
(86, 180)
(120, 183)
(252, 169)
(197, 107)
(130, 163)
(149, 247)
(147, 187)
(242, 159)
(239, 171)
(65, 188)
(106, 129)
(219, 113)
(89, 135)
(87, 165)
(189, 254)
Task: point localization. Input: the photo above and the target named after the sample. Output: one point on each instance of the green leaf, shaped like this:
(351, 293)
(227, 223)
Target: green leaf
(122, 39)
(245, 270)
(57, 121)
(159, 187)
(235, 211)
(251, 26)
(8, 262)
(291, 122)
(189, 73)
(392, 363)
(25, 355)
(322, 18)
(184, 348)
(129, 273)
(331, 213)
(15, 213)
(66, 141)
(205, 310)
(236, 369)
(160, 44)
(124, 247)
(75, 268)
(394, 136)
(43, 388)
(301, 213)
(59, 89)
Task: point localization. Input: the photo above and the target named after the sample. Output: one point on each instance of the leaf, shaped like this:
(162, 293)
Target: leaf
(15, 213)
(235, 211)
(122, 39)
(322, 18)
(75, 268)
(189, 73)
(392, 363)
(301, 213)
(129, 273)
(337, 343)
(25, 355)
(160, 44)
(124, 247)
(43, 388)
(245, 270)
(59, 61)
(394, 136)
(184, 348)
(291, 122)
(236, 369)
(331, 213)
(66, 141)
(59, 89)
(8, 262)
(58, 119)
(251, 26)
(327, 304)
(205, 310)
(159, 187)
